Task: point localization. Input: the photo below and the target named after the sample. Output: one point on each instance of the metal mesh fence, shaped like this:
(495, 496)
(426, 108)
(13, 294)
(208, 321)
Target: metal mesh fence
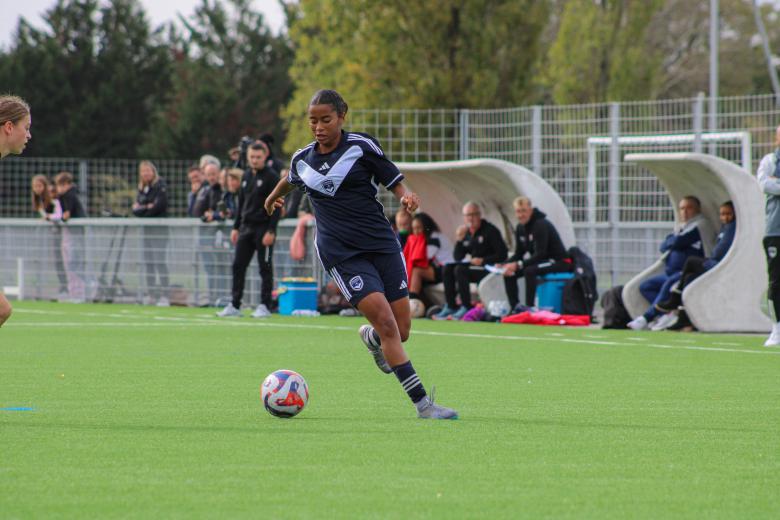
(135, 260)
(620, 210)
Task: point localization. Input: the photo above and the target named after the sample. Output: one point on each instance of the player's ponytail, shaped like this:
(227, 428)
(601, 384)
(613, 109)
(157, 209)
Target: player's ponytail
(332, 98)
(13, 109)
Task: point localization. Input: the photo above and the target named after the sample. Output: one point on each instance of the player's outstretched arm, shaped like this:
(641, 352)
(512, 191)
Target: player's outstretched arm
(276, 198)
(408, 199)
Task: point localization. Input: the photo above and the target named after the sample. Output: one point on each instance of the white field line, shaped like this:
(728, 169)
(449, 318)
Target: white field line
(164, 321)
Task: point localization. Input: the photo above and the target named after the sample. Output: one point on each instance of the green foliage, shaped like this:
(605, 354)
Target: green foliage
(92, 77)
(411, 54)
(230, 78)
(600, 52)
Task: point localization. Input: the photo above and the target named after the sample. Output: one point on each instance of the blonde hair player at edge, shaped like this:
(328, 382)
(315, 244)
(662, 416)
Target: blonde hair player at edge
(15, 121)
(341, 172)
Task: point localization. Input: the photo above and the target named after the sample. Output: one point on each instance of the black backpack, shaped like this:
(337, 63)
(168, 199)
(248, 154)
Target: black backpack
(579, 293)
(615, 314)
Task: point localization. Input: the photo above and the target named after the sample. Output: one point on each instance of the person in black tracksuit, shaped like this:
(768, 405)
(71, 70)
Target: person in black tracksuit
(254, 230)
(152, 202)
(539, 250)
(479, 243)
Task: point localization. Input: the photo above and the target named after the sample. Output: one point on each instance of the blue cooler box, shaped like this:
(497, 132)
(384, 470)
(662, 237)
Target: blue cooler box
(297, 294)
(549, 292)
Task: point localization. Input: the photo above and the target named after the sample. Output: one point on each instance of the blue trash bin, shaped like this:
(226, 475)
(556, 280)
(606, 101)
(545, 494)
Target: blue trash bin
(297, 294)
(549, 292)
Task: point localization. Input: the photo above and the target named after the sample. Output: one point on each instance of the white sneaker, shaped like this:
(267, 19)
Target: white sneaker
(664, 321)
(774, 338)
(638, 324)
(261, 312)
(229, 312)
(163, 302)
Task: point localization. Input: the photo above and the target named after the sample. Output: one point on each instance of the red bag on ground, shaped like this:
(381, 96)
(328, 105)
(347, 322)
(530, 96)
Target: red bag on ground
(547, 318)
(415, 253)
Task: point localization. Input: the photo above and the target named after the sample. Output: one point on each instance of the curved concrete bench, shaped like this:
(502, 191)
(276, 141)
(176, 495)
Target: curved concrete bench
(445, 186)
(728, 297)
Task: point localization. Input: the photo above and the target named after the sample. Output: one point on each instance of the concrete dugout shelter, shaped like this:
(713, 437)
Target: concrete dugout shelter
(728, 297)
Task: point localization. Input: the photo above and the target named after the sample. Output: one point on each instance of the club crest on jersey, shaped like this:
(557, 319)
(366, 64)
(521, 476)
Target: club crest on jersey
(771, 251)
(259, 182)
(356, 282)
(329, 186)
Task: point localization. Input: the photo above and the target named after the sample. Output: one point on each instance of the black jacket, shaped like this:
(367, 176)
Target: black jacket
(70, 202)
(199, 201)
(486, 244)
(156, 194)
(250, 210)
(539, 239)
(213, 198)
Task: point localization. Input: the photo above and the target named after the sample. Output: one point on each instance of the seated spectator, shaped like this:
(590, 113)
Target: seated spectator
(539, 250)
(478, 243)
(46, 204)
(152, 202)
(198, 189)
(426, 252)
(403, 225)
(677, 247)
(694, 267)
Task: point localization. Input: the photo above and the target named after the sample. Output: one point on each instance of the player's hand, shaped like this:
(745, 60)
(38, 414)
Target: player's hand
(233, 236)
(477, 261)
(460, 233)
(268, 238)
(410, 201)
(272, 204)
(510, 269)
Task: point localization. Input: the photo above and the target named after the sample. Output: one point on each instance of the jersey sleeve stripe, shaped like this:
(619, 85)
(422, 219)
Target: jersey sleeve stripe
(398, 178)
(352, 137)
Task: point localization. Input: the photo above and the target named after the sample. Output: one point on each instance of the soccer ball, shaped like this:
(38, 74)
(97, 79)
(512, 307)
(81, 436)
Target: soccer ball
(417, 308)
(284, 393)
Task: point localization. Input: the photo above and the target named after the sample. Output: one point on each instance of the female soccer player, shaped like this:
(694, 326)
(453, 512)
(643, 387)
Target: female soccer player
(15, 124)
(356, 245)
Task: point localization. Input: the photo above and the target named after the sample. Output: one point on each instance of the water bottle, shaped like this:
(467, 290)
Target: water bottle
(305, 312)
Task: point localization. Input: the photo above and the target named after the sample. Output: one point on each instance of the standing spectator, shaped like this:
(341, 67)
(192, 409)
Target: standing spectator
(197, 194)
(478, 243)
(254, 231)
(208, 236)
(46, 204)
(539, 250)
(152, 202)
(769, 180)
(233, 155)
(73, 244)
(230, 198)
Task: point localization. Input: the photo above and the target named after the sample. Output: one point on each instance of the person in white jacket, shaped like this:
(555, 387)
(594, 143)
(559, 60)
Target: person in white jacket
(769, 180)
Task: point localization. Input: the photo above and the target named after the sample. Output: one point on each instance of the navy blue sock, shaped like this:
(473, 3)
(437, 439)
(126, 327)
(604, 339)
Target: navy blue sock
(409, 381)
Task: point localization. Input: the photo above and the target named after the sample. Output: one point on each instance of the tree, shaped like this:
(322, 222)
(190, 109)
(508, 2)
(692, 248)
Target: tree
(92, 77)
(601, 52)
(230, 80)
(411, 54)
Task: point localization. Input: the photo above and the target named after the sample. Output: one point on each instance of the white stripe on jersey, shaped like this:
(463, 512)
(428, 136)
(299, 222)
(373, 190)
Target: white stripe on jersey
(352, 137)
(299, 150)
(396, 178)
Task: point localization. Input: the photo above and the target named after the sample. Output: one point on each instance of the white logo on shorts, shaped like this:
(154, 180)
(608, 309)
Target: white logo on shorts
(771, 251)
(403, 285)
(356, 282)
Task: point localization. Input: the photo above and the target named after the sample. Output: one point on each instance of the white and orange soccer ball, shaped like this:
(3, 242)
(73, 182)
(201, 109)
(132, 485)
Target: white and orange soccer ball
(284, 393)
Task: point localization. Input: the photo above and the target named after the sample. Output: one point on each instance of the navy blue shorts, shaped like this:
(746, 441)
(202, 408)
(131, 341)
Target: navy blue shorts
(359, 276)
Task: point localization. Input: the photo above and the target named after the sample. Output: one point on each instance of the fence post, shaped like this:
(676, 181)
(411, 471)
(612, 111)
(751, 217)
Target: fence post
(84, 185)
(698, 121)
(591, 198)
(536, 140)
(614, 186)
(464, 134)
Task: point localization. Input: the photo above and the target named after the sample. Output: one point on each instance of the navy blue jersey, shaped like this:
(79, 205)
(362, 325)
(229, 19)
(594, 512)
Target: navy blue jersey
(342, 187)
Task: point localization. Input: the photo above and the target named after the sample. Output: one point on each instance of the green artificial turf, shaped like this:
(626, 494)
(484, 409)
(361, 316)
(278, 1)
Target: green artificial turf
(155, 413)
